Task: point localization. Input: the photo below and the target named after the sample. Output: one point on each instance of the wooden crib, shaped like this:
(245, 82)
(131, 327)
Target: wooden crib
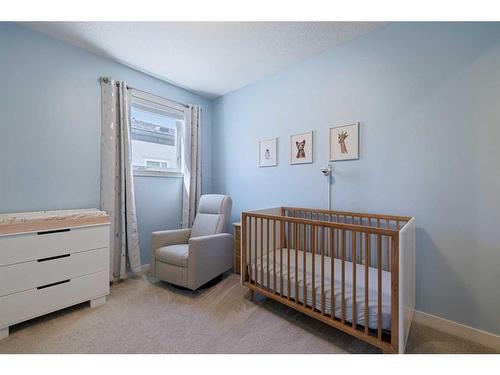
(353, 271)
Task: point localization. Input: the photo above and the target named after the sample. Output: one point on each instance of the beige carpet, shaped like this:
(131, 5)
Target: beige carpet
(144, 315)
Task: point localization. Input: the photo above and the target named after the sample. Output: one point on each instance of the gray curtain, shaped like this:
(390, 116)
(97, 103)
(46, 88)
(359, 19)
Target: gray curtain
(191, 165)
(117, 185)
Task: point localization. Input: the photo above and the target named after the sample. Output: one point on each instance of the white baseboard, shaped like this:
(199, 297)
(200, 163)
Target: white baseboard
(453, 328)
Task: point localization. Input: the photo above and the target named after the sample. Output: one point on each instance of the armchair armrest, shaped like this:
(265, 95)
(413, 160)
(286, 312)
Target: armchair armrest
(209, 256)
(169, 237)
(210, 242)
(165, 238)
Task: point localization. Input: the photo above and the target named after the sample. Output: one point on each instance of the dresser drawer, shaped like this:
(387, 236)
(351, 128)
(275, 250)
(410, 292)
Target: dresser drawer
(18, 307)
(28, 275)
(32, 246)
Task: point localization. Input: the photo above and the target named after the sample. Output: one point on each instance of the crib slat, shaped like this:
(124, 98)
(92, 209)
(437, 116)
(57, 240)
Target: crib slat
(379, 301)
(389, 261)
(353, 244)
(282, 240)
(332, 275)
(249, 265)
(289, 248)
(367, 274)
(304, 272)
(322, 270)
(255, 253)
(313, 253)
(267, 247)
(262, 253)
(387, 250)
(338, 244)
(274, 256)
(360, 248)
(297, 246)
(343, 275)
(395, 287)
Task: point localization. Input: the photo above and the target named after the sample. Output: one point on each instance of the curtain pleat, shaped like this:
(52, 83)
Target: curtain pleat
(191, 165)
(117, 185)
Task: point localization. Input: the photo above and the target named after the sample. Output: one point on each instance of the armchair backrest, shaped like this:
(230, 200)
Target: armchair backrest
(213, 215)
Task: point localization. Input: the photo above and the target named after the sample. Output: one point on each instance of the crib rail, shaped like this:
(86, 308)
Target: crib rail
(363, 219)
(315, 260)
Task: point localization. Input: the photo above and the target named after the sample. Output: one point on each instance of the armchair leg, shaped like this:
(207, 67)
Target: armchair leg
(252, 292)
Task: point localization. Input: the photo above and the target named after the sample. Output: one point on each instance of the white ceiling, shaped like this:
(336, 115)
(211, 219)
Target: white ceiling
(210, 58)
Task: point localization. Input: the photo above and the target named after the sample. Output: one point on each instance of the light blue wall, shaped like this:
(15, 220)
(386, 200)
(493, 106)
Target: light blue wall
(428, 100)
(163, 211)
(50, 125)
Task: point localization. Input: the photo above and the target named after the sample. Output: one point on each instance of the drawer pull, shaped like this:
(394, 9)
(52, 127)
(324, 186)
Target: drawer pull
(52, 258)
(54, 231)
(53, 284)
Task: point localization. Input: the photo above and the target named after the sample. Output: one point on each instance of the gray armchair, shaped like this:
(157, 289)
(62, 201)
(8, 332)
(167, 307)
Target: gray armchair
(191, 257)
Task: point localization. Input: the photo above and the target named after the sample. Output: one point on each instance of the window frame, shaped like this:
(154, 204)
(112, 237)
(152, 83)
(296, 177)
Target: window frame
(144, 96)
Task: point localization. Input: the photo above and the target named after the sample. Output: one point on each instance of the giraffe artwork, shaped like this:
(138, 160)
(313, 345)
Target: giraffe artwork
(342, 136)
(344, 142)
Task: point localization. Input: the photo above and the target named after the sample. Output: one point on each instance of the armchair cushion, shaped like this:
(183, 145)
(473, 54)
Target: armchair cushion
(205, 224)
(176, 255)
(213, 215)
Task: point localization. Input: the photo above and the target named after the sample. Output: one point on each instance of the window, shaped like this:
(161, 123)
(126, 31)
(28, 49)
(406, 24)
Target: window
(156, 128)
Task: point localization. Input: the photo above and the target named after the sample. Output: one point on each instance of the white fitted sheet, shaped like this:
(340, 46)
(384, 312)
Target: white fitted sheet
(360, 285)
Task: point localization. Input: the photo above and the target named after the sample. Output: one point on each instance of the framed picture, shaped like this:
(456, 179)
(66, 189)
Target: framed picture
(344, 142)
(267, 152)
(301, 148)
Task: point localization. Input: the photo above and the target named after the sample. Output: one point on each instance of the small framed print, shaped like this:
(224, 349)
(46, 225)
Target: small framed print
(267, 152)
(344, 142)
(301, 148)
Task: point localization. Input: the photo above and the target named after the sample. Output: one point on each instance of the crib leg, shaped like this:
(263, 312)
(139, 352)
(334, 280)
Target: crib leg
(252, 292)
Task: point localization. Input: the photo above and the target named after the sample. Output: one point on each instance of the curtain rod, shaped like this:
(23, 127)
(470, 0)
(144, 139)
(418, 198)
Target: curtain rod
(107, 80)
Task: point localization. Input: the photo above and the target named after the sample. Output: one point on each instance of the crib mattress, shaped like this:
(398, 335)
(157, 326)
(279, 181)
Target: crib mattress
(297, 273)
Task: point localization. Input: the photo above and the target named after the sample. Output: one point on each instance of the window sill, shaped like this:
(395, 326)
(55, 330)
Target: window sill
(142, 173)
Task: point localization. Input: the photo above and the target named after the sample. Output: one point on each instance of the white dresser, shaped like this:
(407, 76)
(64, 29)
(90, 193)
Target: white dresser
(51, 260)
